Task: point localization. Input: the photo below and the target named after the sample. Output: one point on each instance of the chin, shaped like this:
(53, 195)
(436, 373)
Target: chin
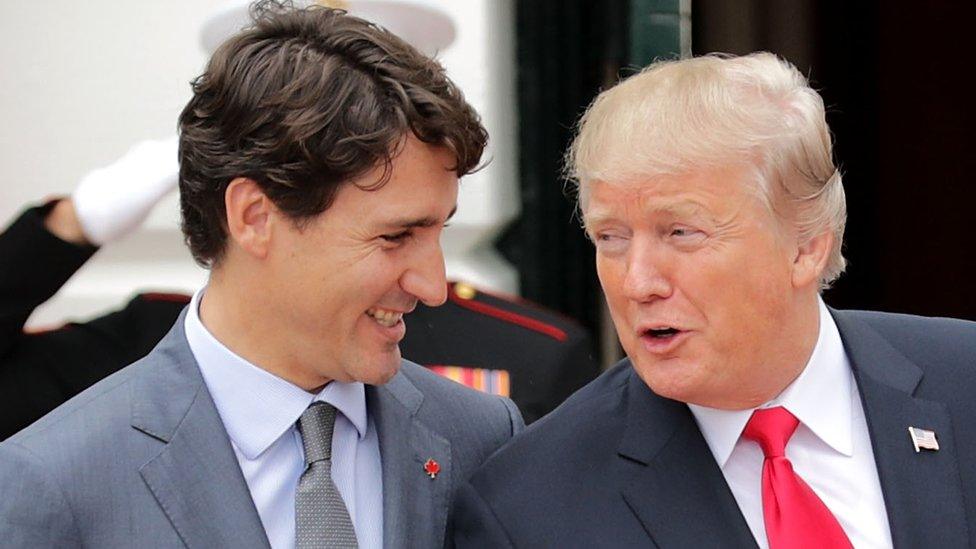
(381, 378)
(673, 379)
(381, 370)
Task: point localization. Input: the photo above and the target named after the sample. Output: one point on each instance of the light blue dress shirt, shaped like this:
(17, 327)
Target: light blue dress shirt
(259, 411)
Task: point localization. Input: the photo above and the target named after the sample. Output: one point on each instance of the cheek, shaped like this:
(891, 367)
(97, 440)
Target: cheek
(611, 274)
(747, 296)
(377, 276)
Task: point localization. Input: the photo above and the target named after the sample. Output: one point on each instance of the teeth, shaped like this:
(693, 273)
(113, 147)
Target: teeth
(384, 317)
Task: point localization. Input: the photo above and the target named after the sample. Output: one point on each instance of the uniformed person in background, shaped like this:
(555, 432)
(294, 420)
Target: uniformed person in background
(493, 342)
(496, 344)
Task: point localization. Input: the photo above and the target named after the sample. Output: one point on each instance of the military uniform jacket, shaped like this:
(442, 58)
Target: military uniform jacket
(477, 337)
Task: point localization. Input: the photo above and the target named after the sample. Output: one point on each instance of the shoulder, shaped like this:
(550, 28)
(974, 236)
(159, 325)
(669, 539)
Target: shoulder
(938, 354)
(926, 341)
(476, 424)
(568, 442)
(89, 421)
(585, 415)
(446, 401)
(62, 463)
(532, 487)
(927, 327)
(33, 511)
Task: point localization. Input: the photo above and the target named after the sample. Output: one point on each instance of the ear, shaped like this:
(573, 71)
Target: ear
(811, 259)
(249, 216)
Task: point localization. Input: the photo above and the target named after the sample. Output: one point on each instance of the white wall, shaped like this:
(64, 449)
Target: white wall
(82, 81)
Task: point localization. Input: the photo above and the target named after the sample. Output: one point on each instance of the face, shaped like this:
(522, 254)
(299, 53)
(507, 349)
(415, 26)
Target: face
(701, 281)
(343, 283)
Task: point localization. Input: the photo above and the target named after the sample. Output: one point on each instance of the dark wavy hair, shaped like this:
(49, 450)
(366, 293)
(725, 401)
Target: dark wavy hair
(302, 102)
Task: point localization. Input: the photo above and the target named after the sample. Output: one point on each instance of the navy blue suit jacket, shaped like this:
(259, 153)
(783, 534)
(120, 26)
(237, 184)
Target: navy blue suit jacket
(618, 466)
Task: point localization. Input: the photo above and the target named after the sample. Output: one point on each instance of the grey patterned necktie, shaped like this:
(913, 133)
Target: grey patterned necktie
(321, 517)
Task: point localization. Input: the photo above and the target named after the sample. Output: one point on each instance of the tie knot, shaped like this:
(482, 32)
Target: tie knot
(772, 429)
(316, 426)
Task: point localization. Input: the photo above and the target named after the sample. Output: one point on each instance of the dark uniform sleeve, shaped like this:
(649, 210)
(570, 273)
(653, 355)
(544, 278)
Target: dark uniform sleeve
(35, 266)
(39, 371)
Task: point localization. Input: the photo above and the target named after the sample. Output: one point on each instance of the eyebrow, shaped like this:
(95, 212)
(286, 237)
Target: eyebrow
(410, 223)
(596, 218)
(677, 208)
(681, 208)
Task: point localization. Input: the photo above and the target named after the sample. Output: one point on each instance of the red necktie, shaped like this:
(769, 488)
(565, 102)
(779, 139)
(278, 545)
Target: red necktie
(794, 515)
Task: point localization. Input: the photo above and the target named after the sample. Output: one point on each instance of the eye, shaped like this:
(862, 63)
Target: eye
(397, 238)
(609, 243)
(684, 233)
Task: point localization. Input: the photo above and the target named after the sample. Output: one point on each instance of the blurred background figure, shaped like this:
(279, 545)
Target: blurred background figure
(492, 342)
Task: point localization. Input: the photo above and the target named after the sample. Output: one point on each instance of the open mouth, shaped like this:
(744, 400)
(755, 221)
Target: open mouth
(384, 317)
(663, 338)
(664, 332)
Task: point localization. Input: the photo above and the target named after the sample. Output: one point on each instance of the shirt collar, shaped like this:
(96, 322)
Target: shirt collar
(256, 406)
(820, 397)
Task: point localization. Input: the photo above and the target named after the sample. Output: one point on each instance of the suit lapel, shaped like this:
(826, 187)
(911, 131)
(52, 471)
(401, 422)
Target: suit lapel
(415, 506)
(674, 478)
(195, 478)
(922, 491)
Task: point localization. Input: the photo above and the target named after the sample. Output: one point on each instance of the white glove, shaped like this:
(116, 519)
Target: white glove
(114, 200)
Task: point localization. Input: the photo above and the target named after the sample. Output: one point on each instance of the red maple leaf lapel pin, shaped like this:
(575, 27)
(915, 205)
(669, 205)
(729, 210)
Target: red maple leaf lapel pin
(431, 467)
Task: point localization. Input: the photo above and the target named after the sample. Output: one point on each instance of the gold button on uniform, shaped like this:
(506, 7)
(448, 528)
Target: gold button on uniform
(465, 291)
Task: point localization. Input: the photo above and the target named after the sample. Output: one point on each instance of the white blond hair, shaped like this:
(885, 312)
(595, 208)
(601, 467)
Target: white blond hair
(712, 111)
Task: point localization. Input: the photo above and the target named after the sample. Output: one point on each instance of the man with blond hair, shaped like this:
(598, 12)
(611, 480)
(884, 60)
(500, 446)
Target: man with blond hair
(747, 412)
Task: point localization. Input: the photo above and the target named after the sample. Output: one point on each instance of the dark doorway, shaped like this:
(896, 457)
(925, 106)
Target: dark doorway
(892, 78)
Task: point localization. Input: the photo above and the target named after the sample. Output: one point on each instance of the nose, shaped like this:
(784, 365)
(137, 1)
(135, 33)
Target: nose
(647, 277)
(425, 279)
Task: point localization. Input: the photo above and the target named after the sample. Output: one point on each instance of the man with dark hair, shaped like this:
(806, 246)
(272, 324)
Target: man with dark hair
(320, 158)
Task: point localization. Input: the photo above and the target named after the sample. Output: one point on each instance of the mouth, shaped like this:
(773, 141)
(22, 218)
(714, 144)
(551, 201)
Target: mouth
(385, 317)
(662, 332)
(662, 339)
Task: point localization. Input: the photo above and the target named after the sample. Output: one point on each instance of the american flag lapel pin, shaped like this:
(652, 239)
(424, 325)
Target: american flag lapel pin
(923, 439)
(431, 467)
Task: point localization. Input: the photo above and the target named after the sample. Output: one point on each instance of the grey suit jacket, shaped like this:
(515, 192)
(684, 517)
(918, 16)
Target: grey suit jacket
(142, 459)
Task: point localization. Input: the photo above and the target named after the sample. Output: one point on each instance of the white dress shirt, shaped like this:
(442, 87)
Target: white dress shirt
(830, 450)
(259, 411)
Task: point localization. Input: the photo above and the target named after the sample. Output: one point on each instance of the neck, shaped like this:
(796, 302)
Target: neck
(799, 339)
(233, 310)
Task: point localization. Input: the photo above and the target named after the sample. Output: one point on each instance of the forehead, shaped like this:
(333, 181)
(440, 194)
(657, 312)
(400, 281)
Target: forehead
(421, 187)
(711, 190)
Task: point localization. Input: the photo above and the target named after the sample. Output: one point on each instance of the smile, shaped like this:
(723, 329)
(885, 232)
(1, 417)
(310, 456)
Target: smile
(385, 317)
